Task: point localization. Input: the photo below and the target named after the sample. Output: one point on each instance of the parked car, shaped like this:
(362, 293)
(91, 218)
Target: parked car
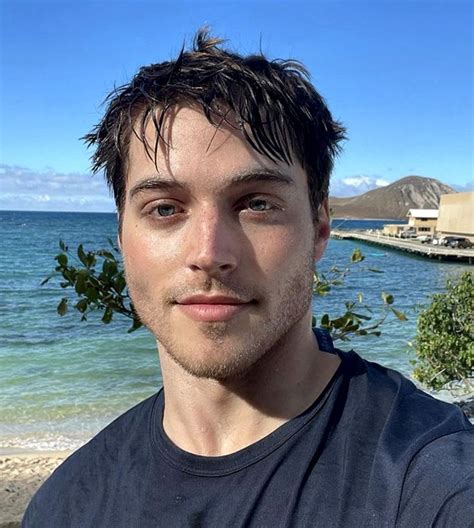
(424, 239)
(408, 233)
(457, 242)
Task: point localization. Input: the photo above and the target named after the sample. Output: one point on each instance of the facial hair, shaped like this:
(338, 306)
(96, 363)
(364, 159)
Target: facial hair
(217, 353)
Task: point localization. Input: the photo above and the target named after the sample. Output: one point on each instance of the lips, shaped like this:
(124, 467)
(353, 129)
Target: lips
(212, 308)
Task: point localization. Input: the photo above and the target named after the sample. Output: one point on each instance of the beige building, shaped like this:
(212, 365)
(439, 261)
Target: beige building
(424, 221)
(393, 229)
(456, 215)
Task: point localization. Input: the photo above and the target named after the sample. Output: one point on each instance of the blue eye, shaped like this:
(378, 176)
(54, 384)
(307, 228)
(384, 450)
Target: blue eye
(165, 210)
(257, 204)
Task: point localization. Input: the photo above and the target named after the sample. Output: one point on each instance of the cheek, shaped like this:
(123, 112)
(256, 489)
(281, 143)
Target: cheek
(282, 251)
(145, 256)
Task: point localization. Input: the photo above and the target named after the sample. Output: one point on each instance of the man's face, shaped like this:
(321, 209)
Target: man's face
(219, 246)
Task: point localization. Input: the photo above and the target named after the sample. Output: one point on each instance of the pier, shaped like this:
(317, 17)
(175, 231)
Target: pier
(408, 245)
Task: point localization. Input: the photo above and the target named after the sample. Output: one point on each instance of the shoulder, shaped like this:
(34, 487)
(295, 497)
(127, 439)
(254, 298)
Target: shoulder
(423, 462)
(439, 483)
(392, 399)
(81, 479)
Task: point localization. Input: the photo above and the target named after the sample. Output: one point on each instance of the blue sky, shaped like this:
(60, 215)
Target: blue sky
(399, 74)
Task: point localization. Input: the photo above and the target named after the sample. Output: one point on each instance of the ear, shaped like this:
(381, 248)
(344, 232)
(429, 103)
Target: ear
(322, 230)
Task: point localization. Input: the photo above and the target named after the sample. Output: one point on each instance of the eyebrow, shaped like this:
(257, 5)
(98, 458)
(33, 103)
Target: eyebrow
(158, 182)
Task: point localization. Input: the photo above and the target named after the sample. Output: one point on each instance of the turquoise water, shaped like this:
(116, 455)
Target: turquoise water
(63, 380)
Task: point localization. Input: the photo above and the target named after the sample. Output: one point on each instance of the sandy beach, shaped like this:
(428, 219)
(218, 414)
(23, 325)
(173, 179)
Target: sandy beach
(20, 476)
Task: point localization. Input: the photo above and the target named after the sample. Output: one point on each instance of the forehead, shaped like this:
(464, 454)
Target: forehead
(195, 150)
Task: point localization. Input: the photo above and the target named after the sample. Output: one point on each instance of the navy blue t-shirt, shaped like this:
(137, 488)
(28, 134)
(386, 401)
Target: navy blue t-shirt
(372, 451)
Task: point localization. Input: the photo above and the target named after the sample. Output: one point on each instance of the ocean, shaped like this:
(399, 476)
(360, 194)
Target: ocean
(62, 380)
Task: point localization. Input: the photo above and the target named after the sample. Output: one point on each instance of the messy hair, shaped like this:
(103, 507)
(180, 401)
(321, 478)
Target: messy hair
(272, 102)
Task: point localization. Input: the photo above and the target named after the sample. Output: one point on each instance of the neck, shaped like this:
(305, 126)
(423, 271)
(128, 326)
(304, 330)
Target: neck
(214, 418)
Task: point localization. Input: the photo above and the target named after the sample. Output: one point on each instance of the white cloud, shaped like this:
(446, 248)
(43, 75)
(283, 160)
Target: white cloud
(26, 189)
(357, 181)
(379, 182)
(355, 185)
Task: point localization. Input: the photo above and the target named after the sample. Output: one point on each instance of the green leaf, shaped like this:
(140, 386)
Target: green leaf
(340, 322)
(374, 270)
(109, 268)
(91, 294)
(90, 260)
(325, 320)
(62, 307)
(135, 326)
(82, 305)
(387, 298)
(81, 254)
(70, 274)
(321, 289)
(62, 246)
(120, 283)
(81, 281)
(400, 315)
(357, 256)
(106, 254)
(107, 317)
(360, 297)
(62, 259)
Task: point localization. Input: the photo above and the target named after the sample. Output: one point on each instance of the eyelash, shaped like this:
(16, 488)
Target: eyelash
(270, 206)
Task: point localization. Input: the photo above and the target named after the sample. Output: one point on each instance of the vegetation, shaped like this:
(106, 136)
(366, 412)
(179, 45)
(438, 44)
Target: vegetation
(444, 342)
(98, 281)
(358, 318)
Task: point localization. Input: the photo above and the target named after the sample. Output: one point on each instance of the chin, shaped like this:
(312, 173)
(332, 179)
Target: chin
(214, 354)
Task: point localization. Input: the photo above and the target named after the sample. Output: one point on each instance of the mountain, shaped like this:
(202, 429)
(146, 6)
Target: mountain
(392, 201)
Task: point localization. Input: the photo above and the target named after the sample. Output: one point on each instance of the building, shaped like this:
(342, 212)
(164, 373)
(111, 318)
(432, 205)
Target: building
(456, 215)
(394, 229)
(424, 221)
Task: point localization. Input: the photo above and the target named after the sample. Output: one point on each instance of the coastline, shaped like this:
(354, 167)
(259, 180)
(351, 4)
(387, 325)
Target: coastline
(21, 474)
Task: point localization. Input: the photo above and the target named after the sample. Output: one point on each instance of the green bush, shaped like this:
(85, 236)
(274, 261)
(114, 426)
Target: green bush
(444, 342)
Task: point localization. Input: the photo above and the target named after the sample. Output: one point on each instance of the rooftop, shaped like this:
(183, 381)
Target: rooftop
(423, 213)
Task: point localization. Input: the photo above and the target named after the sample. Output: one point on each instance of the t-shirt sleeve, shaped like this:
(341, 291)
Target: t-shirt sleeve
(438, 490)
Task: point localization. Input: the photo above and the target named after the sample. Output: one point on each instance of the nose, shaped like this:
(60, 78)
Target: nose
(212, 246)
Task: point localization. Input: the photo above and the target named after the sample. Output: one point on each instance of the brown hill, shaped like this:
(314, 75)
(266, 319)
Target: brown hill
(392, 201)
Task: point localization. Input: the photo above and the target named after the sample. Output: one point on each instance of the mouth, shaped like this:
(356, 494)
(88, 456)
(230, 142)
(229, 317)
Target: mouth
(215, 308)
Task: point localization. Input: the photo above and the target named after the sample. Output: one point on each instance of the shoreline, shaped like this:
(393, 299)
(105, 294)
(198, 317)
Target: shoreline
(21, 475)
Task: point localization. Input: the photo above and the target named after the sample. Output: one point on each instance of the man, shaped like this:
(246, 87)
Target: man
(220, 168)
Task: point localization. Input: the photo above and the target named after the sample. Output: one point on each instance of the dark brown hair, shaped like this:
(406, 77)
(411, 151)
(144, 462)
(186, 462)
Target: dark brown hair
(278, 110)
